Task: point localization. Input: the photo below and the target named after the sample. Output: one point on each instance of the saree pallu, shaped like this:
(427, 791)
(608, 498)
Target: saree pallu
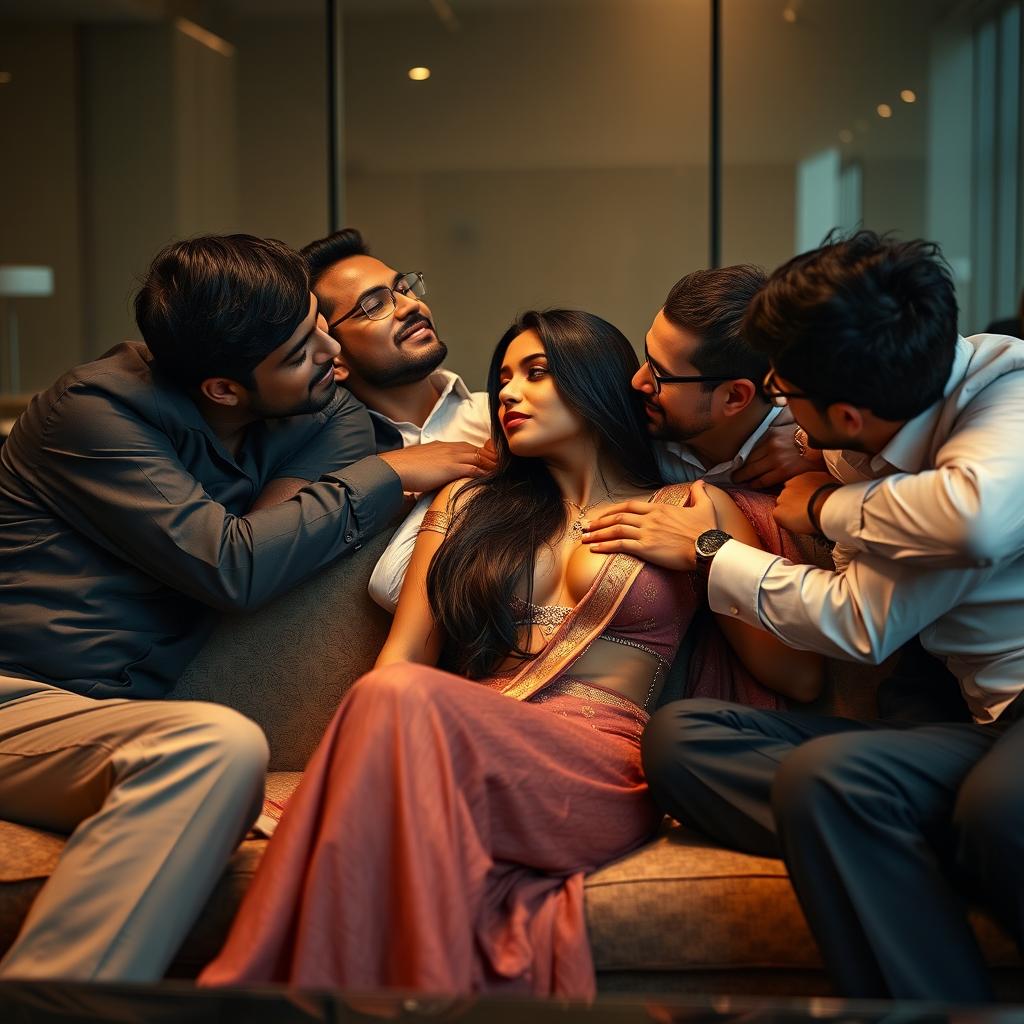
(439, 840)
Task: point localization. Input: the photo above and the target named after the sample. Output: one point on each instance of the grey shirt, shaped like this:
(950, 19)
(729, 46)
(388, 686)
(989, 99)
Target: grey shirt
(124, 525)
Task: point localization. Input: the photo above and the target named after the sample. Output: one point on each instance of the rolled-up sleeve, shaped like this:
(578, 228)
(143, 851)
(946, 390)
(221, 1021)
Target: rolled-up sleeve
(119, 480)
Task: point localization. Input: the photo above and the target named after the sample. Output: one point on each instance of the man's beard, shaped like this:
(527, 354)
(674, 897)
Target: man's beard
(317, 399)
(405, 369)
(663, 429)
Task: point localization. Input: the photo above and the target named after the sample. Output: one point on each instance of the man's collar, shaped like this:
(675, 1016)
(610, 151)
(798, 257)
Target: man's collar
(445, 382)
(687, 454)
(908, 449)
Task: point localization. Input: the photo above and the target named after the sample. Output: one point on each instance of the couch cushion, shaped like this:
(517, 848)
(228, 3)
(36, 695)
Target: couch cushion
(287, 665)
(682, 903)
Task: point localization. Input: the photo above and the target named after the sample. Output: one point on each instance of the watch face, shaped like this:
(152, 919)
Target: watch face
(710, 541)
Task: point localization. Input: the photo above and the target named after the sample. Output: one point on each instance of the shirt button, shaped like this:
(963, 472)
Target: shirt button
(349, 537)
(734, 610)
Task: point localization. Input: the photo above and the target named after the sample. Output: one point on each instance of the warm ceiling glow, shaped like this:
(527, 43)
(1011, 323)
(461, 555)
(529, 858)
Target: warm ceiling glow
(846, 135)
(204, 37)
(5, 77)
(789, 14)
(884, 110)
(419, 74)
(908, 95)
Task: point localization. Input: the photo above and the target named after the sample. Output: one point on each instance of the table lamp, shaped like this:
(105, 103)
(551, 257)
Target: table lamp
(20, 282)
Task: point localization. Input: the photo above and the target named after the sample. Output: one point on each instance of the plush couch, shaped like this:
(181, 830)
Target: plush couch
(678, 915)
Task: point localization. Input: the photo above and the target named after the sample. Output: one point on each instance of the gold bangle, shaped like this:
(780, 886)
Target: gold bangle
(435, 522)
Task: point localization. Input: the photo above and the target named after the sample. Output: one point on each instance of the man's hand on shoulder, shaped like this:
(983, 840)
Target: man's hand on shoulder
(656, 532)
(426, 467)
(782, 453)
(792, 505)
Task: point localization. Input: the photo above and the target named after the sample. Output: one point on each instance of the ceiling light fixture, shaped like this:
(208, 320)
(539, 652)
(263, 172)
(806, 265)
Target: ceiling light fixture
(884, 110)
(419, 74)
(908, 95)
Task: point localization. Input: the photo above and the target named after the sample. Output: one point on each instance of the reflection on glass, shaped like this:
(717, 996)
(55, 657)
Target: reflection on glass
(126, 129)
(557, 155)
(901, 117)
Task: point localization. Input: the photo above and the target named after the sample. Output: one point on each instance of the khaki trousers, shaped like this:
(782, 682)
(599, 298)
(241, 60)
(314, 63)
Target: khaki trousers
(155, 795)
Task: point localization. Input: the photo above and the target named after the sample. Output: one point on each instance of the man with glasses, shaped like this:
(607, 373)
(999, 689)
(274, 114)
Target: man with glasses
(701, 386)
(390, 359)
(141, 495)
(888, 829)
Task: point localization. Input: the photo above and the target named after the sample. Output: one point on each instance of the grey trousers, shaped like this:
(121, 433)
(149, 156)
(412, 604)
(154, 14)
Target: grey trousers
(887, 830)
(156, 795)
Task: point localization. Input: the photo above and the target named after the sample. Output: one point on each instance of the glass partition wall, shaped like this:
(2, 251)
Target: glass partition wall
(519, 152)
(555, 156)
(900, 117)
(129, 123)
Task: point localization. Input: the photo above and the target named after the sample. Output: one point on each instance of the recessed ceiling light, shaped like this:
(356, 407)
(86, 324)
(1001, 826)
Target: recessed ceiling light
(419, 74)
(884, 110)
(908, 95)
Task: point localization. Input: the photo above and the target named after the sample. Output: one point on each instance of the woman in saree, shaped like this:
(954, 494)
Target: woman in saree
(439, 838)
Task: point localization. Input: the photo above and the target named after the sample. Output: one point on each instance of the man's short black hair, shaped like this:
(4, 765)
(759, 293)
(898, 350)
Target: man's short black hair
(711, 304)
(217, 306)
(322, 254)
(866, 319)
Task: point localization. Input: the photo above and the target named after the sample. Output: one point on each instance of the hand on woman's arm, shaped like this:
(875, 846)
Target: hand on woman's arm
(413, 635)
(795, 674)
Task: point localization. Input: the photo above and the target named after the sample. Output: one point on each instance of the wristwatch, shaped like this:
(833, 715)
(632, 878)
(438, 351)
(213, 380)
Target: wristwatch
(708, 545)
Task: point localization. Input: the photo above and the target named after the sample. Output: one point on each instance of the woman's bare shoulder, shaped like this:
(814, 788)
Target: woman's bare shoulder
(451, 496)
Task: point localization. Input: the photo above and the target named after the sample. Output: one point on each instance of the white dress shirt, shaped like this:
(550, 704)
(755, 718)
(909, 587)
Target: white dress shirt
(458, 415)
(678, 463)
(930, 536)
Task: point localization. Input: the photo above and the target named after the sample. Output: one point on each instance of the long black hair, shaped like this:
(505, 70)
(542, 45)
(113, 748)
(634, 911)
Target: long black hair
(503, 519)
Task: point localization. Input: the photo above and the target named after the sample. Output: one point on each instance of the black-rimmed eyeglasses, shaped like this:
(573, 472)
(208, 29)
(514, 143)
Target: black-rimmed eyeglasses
(659, 378)
(775, 394)
(380, 303)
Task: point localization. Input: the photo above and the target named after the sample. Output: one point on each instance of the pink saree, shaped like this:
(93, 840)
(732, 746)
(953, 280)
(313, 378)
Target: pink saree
(440, 836)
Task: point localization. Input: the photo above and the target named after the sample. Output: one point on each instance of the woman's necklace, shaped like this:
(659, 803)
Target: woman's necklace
(577, 528)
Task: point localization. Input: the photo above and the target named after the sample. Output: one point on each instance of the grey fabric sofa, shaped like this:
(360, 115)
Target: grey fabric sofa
(678, 915)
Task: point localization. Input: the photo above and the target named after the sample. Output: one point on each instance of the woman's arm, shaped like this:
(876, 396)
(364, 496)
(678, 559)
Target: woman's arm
(795, 674)
(413, 635)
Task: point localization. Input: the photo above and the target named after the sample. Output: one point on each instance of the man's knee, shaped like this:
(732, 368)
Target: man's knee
(817, 773)
(672, 737)
(214, 737)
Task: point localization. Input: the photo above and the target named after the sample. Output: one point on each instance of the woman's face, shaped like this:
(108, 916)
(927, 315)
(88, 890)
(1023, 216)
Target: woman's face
(534, 418)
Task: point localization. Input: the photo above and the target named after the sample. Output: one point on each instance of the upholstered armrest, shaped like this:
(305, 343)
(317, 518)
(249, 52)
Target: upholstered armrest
(287, 665)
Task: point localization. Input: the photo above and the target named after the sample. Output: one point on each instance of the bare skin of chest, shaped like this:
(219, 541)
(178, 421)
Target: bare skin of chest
(564, 572)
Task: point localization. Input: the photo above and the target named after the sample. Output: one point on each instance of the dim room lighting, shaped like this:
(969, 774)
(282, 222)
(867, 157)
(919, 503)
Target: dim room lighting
(789, 15)
(884, 110)
(419, 74)
(5, 77)
(908, 95)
